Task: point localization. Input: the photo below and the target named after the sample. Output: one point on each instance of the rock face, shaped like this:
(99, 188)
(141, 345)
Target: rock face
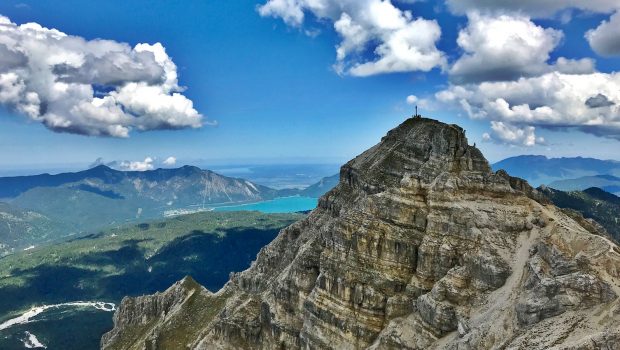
(419, 246)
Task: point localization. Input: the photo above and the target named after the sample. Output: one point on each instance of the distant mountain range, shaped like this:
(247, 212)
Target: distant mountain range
(191, 183)
(538, 170)
(101, 197)
(315, 190)
(608, 183)
(44, 208)
(278, 176)
(320, 188)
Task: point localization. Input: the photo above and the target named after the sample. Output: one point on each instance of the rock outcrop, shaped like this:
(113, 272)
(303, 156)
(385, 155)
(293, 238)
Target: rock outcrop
(419, 246)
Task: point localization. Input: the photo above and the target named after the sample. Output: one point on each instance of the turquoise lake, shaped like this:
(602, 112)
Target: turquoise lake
(278, 205)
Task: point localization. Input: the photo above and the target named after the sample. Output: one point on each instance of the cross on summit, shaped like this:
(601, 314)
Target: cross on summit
(416, 115)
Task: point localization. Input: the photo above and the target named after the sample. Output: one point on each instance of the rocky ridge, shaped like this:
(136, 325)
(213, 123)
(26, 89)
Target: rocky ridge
(419, 246)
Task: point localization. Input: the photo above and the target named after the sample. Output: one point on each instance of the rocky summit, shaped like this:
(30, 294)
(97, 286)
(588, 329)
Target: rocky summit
(420, 246)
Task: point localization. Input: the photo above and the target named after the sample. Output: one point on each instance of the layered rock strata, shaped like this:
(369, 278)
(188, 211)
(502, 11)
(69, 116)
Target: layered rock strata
(420, 246)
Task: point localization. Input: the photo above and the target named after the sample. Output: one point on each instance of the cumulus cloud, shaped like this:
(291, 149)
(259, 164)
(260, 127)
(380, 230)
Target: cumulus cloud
(502, 48)
(90, 87)
(552, 100)
(149, 163)
(423, 103)
(534, 8)
(605, 39)
(400, 42)
(146, 164)
(510, 134)
(507, 47)
(573, 66)
(170, 161)
(505, 76)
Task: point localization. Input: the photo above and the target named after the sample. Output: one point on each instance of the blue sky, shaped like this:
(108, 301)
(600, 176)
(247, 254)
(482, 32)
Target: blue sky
(272, 88)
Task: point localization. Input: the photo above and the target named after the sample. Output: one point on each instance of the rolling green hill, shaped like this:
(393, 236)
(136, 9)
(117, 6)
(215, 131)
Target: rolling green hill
(20, 229)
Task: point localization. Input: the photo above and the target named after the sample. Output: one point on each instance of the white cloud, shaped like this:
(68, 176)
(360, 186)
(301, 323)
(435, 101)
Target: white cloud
(573, 66)
(507, 47)
(422, 103)
(552, 100)
(509, 134)
(170, 161)
(400, 42)
(146, 164)
(502, 48)
(534, 8)
(90, 87)
(605, 39)
(505, 76)
(291, 11)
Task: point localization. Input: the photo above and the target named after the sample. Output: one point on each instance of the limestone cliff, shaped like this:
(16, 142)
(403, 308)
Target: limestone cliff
(419, 246)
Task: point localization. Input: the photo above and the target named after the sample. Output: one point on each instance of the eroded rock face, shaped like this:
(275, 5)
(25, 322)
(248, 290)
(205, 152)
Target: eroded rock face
(419, 246)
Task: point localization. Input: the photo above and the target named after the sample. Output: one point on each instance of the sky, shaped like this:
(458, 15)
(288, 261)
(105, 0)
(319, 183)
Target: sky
(143, 84)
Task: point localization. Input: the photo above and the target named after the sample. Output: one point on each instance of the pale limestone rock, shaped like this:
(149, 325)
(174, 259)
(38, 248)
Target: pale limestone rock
(420, 246)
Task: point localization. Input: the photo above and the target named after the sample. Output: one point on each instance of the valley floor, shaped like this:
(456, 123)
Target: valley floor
(39, 286)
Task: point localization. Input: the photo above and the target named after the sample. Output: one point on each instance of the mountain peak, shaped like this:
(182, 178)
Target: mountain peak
(184, 170)
(190, 168)
(419, 246)
(420, 146)
(101, 167)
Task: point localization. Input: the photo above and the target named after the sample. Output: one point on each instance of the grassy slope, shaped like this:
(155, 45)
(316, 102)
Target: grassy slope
(21, 228)
(82, 210)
